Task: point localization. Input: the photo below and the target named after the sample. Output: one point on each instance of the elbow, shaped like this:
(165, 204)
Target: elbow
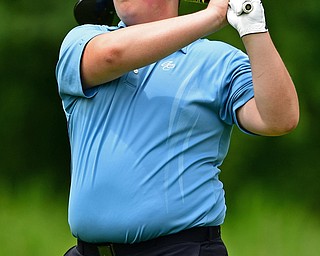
(286, 118)
(284, 126)
(108, 52)
(100, 63)
(112, 57)
(289, 126)
(293, 123)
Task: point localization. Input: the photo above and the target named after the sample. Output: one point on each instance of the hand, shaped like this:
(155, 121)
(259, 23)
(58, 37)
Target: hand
(247, 16)
(219, 10)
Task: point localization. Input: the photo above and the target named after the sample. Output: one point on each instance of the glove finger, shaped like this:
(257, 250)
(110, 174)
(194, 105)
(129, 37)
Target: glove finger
(232, 17)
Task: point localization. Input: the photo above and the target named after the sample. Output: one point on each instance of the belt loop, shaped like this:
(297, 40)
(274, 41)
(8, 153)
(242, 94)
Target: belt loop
(214, 232)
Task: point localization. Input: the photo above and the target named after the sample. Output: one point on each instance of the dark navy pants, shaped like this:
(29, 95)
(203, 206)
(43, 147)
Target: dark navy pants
(196, 243)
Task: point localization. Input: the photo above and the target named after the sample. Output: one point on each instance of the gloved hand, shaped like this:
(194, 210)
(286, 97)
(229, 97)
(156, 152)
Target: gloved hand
(247, 16)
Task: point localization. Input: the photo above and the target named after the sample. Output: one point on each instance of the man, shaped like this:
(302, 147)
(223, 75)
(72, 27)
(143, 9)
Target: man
(150, 108)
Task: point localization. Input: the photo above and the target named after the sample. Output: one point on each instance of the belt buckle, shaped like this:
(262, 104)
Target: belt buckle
(106, 250)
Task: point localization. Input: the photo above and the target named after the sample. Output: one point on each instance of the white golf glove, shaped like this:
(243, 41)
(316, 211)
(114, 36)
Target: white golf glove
(247, 16)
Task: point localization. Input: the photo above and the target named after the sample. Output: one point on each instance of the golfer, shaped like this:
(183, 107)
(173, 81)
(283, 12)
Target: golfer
(150, 107)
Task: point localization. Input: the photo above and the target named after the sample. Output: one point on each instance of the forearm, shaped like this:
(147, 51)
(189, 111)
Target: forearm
(139, 45)
(110, 55)
(275, 98)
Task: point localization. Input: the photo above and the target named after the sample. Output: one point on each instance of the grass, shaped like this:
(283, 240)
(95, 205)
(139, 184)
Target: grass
(262, 225)
(34, 222)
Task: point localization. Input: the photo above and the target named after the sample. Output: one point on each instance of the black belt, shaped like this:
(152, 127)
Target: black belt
(198, 234)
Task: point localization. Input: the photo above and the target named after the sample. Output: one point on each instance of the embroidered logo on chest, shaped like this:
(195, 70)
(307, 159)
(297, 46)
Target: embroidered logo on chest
(167, 65)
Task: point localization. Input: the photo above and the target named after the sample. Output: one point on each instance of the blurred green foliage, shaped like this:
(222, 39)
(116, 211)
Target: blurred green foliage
(34, 144)
(34, 222)
(271, 183)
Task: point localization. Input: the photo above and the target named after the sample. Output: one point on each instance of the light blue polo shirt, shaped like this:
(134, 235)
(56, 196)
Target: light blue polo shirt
(146, 148)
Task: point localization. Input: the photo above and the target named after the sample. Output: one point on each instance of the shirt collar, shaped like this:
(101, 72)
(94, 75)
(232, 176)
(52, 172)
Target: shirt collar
(121, 24)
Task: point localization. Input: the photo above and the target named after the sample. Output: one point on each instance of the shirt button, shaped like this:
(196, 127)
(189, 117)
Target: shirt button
(136, 71)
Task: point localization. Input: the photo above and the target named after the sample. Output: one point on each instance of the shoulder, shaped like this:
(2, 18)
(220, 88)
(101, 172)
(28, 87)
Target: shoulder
(84, 33)
(209, 46)
(215, 53)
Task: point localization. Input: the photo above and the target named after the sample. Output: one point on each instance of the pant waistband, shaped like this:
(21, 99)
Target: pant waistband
(197, 234)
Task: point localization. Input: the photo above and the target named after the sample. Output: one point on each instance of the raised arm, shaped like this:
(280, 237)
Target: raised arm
(274, 110)
(110, 55)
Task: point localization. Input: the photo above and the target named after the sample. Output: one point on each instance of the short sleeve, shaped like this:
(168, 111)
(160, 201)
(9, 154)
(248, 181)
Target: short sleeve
(238, 88)
(68, 67)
